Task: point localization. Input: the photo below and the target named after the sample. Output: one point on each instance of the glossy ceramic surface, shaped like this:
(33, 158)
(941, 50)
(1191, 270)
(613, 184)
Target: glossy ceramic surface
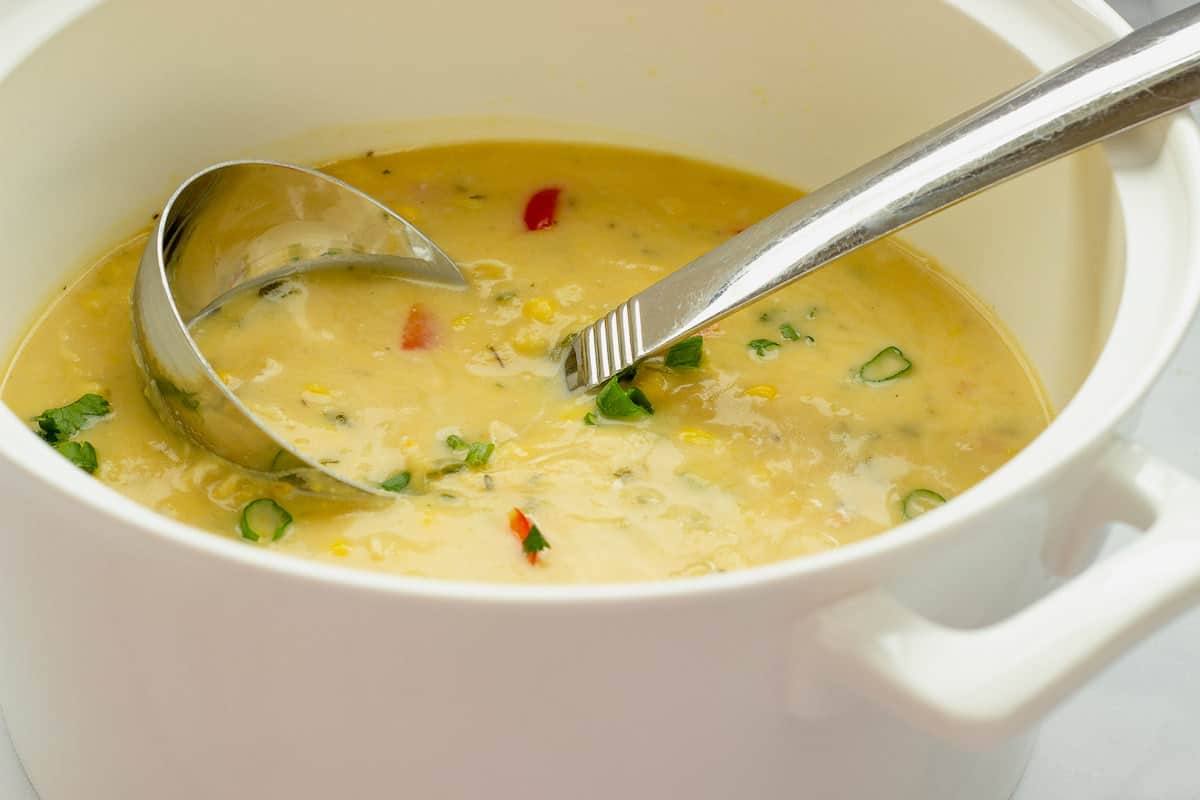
(145, 659)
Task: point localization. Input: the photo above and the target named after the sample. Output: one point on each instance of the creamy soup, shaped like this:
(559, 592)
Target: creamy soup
(851, 401)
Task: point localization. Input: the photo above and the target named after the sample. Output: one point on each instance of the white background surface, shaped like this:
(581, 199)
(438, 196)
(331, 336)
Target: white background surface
(1132, 734)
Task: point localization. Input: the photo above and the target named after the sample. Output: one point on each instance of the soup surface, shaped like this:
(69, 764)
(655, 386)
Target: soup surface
(837, 408)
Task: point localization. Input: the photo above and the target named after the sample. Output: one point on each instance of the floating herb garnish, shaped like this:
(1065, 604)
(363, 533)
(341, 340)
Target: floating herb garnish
(686, 354)
(888, 364)
(616, 402)
(264, 517)
(919, 501)
(762, 346)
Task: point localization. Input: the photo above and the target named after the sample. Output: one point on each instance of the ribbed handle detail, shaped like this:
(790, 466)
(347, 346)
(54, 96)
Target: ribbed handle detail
(606, 347)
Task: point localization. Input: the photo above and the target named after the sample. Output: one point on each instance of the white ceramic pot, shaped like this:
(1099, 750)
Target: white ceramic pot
(144, 659)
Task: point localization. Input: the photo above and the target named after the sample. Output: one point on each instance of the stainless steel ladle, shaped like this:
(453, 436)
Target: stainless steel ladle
(241, 224)
(229, 229)
(1150, 72)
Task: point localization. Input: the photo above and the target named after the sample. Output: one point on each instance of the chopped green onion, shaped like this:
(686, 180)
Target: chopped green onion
(60, 424)
(617, 402)
(264, 517)
(534, 542)
(589, 418)
(918, 501)
(788, 331)
(398, 482)
(456, 442)
(762, 346)
(686, 354)
(81, 454)
(479, 454)
(888, 364)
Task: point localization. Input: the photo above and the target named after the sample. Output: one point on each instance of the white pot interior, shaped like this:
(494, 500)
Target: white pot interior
(800, 91)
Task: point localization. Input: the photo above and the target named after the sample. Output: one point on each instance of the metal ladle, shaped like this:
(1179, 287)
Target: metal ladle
(229, 229)
(1150, 72)
(232, 225)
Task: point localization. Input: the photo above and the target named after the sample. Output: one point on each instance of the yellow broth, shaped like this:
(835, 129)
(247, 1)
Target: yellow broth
(762, 452)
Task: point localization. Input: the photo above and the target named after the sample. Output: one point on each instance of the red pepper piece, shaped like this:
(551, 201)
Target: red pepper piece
(519, 523)
(541, 209)
(420, 330)
(521, 526)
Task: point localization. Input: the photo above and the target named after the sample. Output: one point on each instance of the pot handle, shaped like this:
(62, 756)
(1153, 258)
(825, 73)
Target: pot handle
(978, 686)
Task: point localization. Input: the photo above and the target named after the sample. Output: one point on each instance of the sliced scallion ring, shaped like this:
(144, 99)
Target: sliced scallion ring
(888, 364)
(918, 501)
(264, 517)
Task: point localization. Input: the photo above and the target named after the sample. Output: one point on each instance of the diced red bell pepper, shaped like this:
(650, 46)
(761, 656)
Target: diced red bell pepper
(541, 208)
(420, 329)
(521, 526)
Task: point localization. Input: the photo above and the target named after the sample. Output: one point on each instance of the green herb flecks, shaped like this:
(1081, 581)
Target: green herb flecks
(919, 501)
(478, 454)
(264, 518)
(534, 542)
(398, 482)
(762, 346)
(888, 364)
(686, 354)
(81, 454)
(616, 402)
(59, 424)
(789, 332)
(589, 418)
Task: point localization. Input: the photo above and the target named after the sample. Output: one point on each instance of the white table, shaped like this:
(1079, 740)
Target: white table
(1134, 732)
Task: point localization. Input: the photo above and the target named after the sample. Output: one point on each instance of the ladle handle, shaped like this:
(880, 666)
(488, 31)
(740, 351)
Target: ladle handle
(1150, 72)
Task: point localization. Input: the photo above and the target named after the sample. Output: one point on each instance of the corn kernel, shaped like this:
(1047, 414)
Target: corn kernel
(460, 322)
(340, 548)
(282, 490)
(529, 341)
(540, 309)
(764, 390)
(316, 388)
(696, 436)
(488, 271)
(410, 213)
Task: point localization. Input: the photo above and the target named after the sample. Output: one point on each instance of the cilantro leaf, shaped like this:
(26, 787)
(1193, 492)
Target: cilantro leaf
(59, 424)
(534, 542)
(81, 454)
(686, 354)
(788, 331)
(762, 346)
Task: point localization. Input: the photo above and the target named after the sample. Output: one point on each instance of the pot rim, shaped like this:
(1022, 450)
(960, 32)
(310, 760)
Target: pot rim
(1036, 463)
